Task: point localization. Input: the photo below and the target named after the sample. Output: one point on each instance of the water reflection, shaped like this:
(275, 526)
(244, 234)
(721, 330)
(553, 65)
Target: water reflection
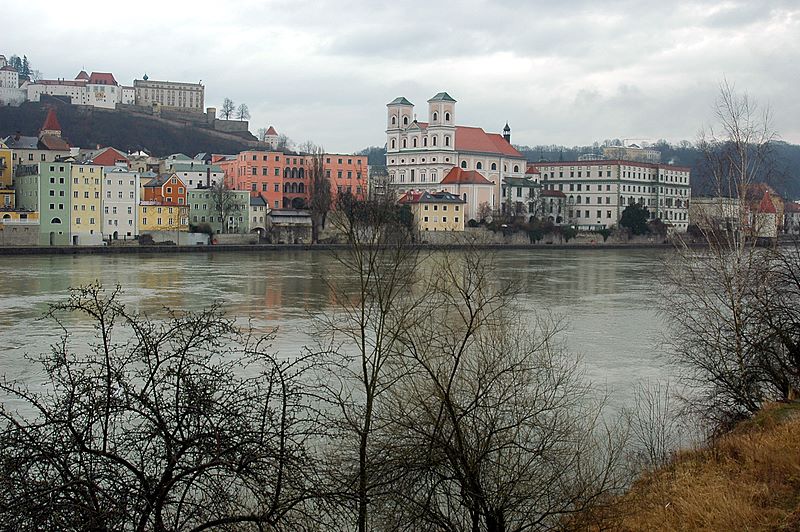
(607, 297)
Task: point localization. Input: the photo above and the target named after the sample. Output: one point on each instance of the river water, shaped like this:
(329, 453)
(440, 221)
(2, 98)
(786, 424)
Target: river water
(606, 297)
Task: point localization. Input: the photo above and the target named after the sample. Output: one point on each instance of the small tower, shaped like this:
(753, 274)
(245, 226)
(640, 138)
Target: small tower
(400, 114)
(51, 125)
(507, 133)
(271, 138)
(442, 122)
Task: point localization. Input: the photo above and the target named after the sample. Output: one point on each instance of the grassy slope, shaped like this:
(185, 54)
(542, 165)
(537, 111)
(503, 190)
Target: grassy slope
(747, 480)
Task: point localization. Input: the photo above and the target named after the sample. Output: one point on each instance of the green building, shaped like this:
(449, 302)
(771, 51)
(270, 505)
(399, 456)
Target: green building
(204, 209)
(48, 192)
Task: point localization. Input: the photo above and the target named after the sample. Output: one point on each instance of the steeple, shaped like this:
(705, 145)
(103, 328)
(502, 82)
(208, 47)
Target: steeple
(507, 133)
(51, 125)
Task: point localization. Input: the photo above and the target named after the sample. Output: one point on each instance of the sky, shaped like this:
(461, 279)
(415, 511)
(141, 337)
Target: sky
(570, 72)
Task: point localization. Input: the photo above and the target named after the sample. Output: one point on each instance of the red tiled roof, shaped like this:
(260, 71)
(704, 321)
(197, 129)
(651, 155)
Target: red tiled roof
(9, 68)
(51, 142)
(109, 157)
(82, 75)
(51, 122)
(271, 131)
(102, 78)
(458, 176)
(766, 205)
(791, 206)
(475, 139)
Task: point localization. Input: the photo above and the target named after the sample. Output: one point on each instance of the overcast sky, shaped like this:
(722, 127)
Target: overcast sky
(568, 72)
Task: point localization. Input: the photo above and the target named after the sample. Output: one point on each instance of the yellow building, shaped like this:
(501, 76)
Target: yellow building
(86, 218)
(7, 198)
(435, 211)
(154, 216)
(6, 166)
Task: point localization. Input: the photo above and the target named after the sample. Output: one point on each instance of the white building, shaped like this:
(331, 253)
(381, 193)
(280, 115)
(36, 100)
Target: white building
(420, 154)
(100, 89)
(10, 91)
(169, 94)
(196, 172)
(120, 203)
(598, 191)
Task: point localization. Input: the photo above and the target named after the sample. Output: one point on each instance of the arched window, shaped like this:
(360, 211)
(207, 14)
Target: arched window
(516, 168)
(433, 176)
(301, 188)
(447, 117)
(294, 173)
(6, 217)
(301, 173)
(463, 164)
(394, 120)
(405, 143)
(479, 166)
(579, 200)
(435, 116)
(405, 120)
(494, 166)
(434, 141)
(55, 221)
(447, 141)
(286, 188)
(402, 177)
(393, 144)
(572, 200)
(424, 141)
(287, 173)
(414, 142)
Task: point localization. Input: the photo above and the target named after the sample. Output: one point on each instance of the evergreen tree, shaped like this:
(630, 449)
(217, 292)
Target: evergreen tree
(635, 218)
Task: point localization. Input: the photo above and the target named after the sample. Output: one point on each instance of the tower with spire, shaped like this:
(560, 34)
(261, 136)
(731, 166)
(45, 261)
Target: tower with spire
(507, 133)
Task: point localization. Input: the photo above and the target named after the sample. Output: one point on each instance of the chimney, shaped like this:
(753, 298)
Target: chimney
(16, 137)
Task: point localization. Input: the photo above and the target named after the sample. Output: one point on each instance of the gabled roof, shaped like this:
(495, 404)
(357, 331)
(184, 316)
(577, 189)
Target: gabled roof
(442, 97)
(458, 176)
(766, 206)
(195, 167)
(102, 78)
(553, 194)
(51, 121)
(271, 131)
(258, 201)
(22, 142)
(400, 100)
(475, 139)
(178, 157)
(53, 143)
(430, 197)
(520, 182)
(9, 68)
(109, 157)
(82, 75)
(791, 206)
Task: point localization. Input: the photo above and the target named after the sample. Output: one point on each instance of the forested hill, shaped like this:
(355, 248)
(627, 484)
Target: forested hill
(87, 127)
(784, 177)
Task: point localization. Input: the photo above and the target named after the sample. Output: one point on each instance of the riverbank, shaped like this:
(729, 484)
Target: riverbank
(126, 250)
(748, 479)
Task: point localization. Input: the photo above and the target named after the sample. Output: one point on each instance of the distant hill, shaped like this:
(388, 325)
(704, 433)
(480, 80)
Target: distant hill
(88, 127)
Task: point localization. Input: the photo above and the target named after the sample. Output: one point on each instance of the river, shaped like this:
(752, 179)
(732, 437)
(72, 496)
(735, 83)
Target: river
(606, 297)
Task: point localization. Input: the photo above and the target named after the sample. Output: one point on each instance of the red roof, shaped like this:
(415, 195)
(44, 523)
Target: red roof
(51, 122)
(458, 176)
(51, 142)
(791, 206)
(766, 205)
(410, 197)
(553, 194)
(271, 131)
(9, 68)
(82, 75)
(476, 139)
(102, 78)
(109, 157)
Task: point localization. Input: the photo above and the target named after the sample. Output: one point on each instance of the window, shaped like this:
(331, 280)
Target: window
(494, 166)
(405, 120)
(463, 164)
(447, 117)
(446, 140)
(435, 116)
(479, 166)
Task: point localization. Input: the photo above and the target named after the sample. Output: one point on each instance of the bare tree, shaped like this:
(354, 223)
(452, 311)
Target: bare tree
(224, 203)
(372, 307)
(489, 426)
(261, 134)
(712, 296)
(228, 108)
(243, 112)
(183, 424)
(284, 143)
(320, 200)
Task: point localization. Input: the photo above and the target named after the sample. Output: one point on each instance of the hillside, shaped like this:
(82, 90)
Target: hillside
(89, 127)
(746, 480)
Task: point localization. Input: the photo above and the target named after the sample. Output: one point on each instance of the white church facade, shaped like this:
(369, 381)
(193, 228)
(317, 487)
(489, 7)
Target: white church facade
(420, 155)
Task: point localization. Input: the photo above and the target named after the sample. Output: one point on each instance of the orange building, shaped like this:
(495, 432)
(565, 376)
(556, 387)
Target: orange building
(282, 179)
(165, 189)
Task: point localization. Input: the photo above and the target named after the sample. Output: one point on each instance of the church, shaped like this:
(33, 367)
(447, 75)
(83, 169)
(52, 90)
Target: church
(440, 155)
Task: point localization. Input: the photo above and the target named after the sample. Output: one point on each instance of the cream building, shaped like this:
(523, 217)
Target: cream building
(598, 191)
(10, 91)
(420, 154)
(85, 220)
(169, 94)
(435, 211)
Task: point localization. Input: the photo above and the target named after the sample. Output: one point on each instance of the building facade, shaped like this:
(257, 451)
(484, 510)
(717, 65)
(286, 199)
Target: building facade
(169, 94)
(204, 208)
(598, 191)
(420, 154)
(435, 211)
(120, 203)
(86, 213)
